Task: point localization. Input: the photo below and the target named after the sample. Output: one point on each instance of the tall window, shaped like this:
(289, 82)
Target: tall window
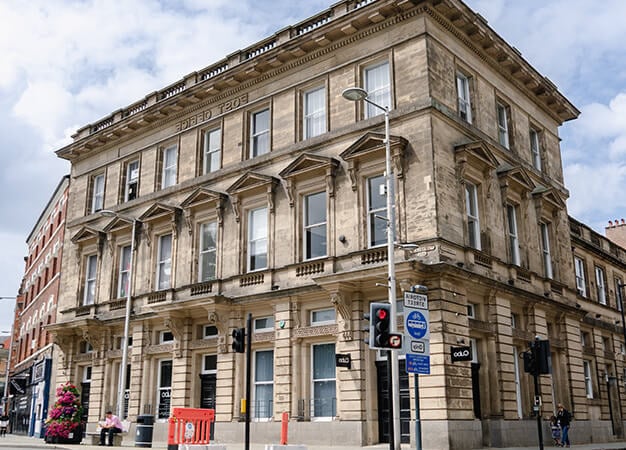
(164, 262)
(618, 294)
(90, 280)
(503, 125)
(581, 282)
(212, 155)
(324, 392)
(473, 223)
(588, 379)
(257, 239)
(314, 225)
(208, 250)
(97, 197)
(131, 188)
(263, 384)
(545, 250)
(170, 162)
(376, 211)
(601, 285)
(314, 116)
(259, 133)
(511, 214)
(463, 96)
(535, 152)
(164, 392)
(123, 283)
(378, 88)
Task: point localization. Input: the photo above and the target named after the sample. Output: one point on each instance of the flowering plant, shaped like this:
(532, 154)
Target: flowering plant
(65, 417)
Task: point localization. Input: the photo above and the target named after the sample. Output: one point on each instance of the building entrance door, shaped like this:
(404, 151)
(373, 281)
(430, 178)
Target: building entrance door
(384, 404)
(207, 390)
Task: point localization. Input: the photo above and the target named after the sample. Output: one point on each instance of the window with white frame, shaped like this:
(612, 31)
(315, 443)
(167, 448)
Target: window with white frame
(600, 285)
(618, 294)
(581, 282)
(378, 88)
(131, 186)
(170, 163)
(376, 211)
(503, 125)
(207, 251)
(164, 390)
(86, 374)
(314, 222)
(91, 269)
(97, 196)
(257, 239)
(323, 316)
(511, 215)
(209, 364)
(263, 324)
(212, 152)
(588, 379)
(535, 149)
(259, 132)
(164, 263)
(123, 282)
(263, 406)
(165, 336)
(515, 323)
(544, 230)
(471, 310)
(463, 97)
(209, 331)
(314, 114)
(473, 222)
(323, 381)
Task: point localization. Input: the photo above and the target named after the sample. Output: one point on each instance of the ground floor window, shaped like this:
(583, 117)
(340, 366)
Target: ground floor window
(165, 389)
(324, 391)
(262, 407)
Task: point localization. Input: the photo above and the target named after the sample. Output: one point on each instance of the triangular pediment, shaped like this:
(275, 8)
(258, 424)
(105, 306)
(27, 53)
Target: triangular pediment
(307, 164)
(515, 176)
(476, 153)
(159, 211)
(371, 144)
(549, 197)
(251, 181)
(202, 196)
(118, 224)
(86, 234)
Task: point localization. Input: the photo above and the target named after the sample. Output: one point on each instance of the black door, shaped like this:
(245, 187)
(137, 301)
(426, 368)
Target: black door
(84, 399)
(476, 389)
(207, 391)
(384, 395)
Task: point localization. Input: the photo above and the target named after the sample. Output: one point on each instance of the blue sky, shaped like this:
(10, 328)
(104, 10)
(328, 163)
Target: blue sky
(68, 63)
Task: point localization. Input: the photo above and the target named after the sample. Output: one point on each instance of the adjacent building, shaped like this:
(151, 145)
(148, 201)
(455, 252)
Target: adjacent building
(255, 188)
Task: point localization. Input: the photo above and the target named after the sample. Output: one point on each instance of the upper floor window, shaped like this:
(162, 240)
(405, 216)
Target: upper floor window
(91, 268)
(473, 222)
(601, 285)
(376, 211)
(212, 154)
(263, 324)
(618, 294)
(511, 214)
(378, 88)
(257, 239)
(170, 163)
(164, 262)
(259, 132)
(588, 379)
(165, 336)
(503, 124)
(463, 97)
(207, 251)
(535, 152)
(314, 116)
(323, 316)
(131, 186)
(123, 283)
(314, 221)
(97, 195)
(544, 230)
(581, 279)
(209, 331)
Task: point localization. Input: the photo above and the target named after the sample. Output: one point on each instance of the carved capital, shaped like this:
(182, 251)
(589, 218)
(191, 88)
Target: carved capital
(343, 305)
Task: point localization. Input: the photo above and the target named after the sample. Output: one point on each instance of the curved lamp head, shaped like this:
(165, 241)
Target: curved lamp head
(108, 213)
(354, 94)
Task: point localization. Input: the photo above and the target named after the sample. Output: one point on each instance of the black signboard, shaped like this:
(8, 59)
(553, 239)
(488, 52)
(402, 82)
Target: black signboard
(461, 353)
(343, 360)
(17, 386)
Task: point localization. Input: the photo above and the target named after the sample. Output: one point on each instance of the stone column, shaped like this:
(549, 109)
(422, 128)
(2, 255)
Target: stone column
(181, 361)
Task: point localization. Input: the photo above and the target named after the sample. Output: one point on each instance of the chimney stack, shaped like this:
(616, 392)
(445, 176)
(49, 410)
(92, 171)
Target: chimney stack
(616, 232)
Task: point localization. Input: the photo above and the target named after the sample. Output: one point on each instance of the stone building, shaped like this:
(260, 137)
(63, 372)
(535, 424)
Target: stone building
(256, 189)
(31, 381)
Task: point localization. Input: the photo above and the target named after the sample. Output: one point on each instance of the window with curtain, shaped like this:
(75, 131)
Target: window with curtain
(314, 116)
(212, 155)
(503, 125)
(257, 239)
(263, 384)
(324, 373)
(535, 152)
(463, 96)
(131, 187)
(91, 267)
(473, 222)
(97, 199)
(545, 250)
(511, 214)
(207, 251)
(170, 162)
(259, 133)
(378, 88)
(314, 225)
(376, 206)
(124, 272)
(164, 262)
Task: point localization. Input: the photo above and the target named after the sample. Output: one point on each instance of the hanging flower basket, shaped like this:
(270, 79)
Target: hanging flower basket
(64, 424)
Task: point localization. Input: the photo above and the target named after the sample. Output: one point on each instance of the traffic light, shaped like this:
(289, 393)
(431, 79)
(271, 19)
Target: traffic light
(239, 343)
(367, 328)
(380, 325)
(529, 362)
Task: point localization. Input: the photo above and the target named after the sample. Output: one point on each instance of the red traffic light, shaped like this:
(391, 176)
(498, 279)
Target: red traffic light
(381, 314)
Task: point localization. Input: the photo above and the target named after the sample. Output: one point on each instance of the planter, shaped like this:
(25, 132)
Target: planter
(73, 438)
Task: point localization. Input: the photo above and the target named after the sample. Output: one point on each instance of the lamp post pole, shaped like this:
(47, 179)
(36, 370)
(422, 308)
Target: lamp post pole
(357, 94)
(5, 397)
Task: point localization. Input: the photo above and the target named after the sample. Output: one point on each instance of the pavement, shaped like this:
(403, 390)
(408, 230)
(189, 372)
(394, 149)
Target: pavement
(14, 441)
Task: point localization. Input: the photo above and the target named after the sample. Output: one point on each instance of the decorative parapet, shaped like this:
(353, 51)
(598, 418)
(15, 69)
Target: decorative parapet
(309, 268)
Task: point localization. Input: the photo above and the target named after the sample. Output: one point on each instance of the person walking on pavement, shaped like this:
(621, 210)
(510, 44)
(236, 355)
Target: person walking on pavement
(564, 418)
(111, 426)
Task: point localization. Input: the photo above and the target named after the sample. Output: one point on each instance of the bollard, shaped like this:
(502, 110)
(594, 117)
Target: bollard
(283, 429)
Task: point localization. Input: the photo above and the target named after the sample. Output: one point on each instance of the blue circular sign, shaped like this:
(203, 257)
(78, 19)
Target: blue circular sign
(416, 324)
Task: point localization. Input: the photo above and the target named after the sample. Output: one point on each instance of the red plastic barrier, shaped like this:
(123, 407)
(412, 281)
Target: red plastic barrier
(190, 426)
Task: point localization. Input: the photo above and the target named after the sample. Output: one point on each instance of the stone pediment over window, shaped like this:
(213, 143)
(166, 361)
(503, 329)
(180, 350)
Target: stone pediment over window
(308, 166)
(87, 235)
(252, 183)
(514, 179)
(203, 198)
(118, 224)
(159, 211)
(548, 201)
(371, 146)
(476, 155)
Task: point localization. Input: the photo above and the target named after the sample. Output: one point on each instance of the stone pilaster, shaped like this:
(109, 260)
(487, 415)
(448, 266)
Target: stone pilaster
(283, 356)
(181, 362)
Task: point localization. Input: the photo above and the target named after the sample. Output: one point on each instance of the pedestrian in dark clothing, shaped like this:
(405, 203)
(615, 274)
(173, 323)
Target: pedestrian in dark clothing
(564, 418)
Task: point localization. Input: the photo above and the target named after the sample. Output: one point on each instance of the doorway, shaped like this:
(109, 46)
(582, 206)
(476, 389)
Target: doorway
(384, 395)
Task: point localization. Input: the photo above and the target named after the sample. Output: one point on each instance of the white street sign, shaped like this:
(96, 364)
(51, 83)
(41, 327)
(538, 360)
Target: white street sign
(416, 333)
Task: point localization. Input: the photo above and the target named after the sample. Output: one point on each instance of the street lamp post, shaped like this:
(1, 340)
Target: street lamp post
(620, 286)
(122, 383)
(355, 94)
(5, 397)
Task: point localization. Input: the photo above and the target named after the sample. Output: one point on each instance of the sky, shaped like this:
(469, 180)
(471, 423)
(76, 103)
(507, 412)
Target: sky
(68, 63)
